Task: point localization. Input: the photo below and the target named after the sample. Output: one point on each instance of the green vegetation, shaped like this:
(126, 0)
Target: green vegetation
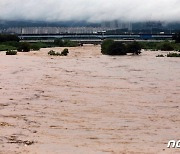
(24, 47)
(8, 42)
(149, 45)
(110, 47)
(59, 42)
(160, 55)
(35, 47)
(105, 46)
(11, 52)
(8, 37)
(11, 42)
(116, 48)
(63, 53)
(4, 47)
(134, 48)
(65, 43)
(173, 55)
(137, 46)
(164, 46)
(170, 55)
(42, 45)
(68, 43)
(53, 53)
(20, 46)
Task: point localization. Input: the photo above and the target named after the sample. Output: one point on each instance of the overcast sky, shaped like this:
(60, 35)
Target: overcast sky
(90, 10)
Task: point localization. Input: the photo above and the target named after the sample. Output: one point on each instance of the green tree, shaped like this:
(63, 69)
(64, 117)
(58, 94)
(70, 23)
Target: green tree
(110, 47)
(134, 48)
(8, 37)
(24, 47)
(105, 46)
(117, 48)
(35, 47)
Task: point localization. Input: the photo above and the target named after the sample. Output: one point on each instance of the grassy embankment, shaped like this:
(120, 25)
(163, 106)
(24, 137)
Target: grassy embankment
(12, 45)
(11, 42)
(153, 46)
(164, 46)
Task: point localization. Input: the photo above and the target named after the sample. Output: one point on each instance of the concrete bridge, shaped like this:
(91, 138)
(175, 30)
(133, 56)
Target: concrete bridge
(96, 37)
(95, 41)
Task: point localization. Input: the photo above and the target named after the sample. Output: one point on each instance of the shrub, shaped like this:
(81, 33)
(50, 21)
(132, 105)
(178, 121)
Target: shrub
(134, 48)
(64, 52)
(160, 55)
(166, 46)
(173, 55)
(52, 53)
(11, 52)
(35, 47)
(24, 47)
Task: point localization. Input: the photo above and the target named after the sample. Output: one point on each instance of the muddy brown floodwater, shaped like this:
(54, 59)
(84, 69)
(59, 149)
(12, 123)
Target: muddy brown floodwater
(88, 103)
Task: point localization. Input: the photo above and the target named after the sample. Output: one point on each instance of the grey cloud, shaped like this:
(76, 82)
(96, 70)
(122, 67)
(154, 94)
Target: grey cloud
(90, 10)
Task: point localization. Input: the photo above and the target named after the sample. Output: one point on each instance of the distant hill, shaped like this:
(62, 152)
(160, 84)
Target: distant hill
(138, 27)
(7, 24)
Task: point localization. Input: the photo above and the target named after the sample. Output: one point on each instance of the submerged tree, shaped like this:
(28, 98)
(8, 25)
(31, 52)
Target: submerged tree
(110, 47)
(105, 46)
(134, 48)
(24, 47)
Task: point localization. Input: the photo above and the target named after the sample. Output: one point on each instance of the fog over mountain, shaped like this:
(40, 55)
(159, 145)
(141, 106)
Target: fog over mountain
(90, 10)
